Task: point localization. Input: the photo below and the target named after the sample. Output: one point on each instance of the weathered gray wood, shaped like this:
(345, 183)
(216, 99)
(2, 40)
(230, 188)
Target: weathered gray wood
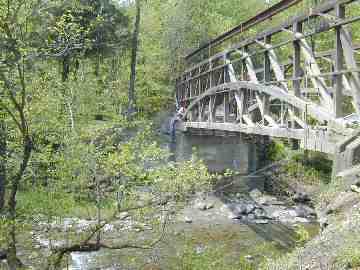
(267, 63)
(354, 80)
(297, 71)
(212, 109)
(270, 120)
(314, 70)
(273, 60)
(269, 59)
(201, 110)
(248, 120)
(321, 143)
(314, 110)
(339, 59)
(240, 102)
(216, 77)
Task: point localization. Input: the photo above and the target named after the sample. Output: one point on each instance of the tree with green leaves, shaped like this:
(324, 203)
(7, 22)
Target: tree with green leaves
(85, 29)
(134, 52)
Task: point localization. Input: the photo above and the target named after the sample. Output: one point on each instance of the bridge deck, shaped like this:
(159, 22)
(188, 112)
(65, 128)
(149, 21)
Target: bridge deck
(319, 140)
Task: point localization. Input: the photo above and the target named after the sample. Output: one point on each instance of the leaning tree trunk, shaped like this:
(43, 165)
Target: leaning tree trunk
(134, 44)
(2, 163)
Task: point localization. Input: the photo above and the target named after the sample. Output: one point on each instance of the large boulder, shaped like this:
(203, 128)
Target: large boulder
(301, 197)
(241, 209)
(304, 211)
(203, 205)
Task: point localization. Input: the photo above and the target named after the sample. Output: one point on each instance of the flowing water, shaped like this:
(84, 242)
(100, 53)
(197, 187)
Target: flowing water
(209, 230)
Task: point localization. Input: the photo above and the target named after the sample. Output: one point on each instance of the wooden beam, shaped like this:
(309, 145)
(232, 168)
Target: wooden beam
(297, 71)
(266, 14)
(240, 102)
(272, 62)
(339, 60)
(354, 80)
(271, 121)
(315, 74)
(275, 92)
(248, 120)
(250, 68)
(297, 119)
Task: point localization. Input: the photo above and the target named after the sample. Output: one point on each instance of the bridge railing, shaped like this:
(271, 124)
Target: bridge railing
(300, 79)
(279, 57)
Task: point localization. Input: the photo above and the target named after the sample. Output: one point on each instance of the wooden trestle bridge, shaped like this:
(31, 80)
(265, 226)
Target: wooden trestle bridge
(299, 80)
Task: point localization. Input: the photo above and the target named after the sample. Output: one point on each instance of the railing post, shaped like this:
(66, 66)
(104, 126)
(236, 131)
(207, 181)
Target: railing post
(200, 111)
(225, 68)
(198, 92)
(339, 64)
(267, 78)
(297, 28)
(190, 84)
(211, 109)
(210, 73)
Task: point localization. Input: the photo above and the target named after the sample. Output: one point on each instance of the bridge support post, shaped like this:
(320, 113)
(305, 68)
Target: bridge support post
(339, 65)
(201, 108)
(212, 109)
(297, 72)
(262, 149)
(267, 79)
(226, 107)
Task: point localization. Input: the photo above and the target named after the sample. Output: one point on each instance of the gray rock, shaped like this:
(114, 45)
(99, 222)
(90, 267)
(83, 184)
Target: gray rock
(123, 215)
(343, 200)
(249, 257)
(200, 249)
(237, 209)
(203, 205)
(301, 197)
(323, 221)
(355, 188)
(301, 220)
(188, 220)
(250, 208)
(261, 214)
(304, 211)
(255, 194)
(261, 221)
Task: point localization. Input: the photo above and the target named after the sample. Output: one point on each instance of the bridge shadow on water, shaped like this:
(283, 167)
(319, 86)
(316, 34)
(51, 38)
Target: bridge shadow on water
(242, 156)
(283, 236)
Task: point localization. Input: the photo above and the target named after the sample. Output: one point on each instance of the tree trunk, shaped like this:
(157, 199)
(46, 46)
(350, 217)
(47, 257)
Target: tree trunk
(134, 45)
(65, 68)
(13, 261)
(2, 163)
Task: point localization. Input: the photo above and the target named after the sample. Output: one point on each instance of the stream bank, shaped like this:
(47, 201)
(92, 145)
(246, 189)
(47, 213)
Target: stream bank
(236, 223)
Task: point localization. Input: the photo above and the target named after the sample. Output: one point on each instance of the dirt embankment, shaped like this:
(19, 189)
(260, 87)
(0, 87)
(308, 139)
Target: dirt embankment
(337, 204)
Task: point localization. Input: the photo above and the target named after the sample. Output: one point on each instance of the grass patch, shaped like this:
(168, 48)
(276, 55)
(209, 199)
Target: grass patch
(210, 259)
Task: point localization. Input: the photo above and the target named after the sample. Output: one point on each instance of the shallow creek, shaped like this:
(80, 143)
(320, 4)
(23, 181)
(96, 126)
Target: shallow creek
(210, 229)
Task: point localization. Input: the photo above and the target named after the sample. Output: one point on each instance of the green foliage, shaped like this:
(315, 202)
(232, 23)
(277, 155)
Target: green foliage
(310, 167)
(349, 257)
(209, 259)
(276, 151)
(91, 27)
(47, 202)
(302, 235)
(183, 178)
